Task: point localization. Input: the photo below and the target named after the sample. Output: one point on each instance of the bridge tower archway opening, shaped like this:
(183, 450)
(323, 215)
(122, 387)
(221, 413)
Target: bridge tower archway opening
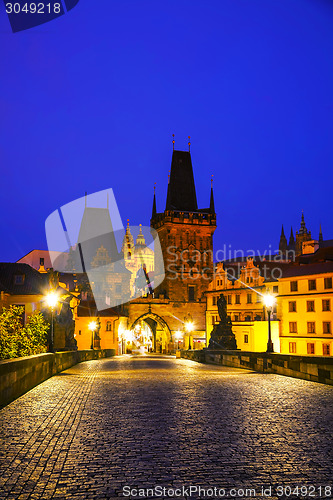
(150, 333)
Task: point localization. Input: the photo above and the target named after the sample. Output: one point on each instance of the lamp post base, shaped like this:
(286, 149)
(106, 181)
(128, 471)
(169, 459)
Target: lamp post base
(270, 347)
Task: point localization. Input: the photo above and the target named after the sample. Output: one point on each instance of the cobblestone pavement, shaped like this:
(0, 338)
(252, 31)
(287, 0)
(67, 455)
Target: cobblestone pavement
(156, 421)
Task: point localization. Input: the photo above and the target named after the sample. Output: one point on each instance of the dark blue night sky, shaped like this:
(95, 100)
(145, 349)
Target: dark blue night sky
(90, 101)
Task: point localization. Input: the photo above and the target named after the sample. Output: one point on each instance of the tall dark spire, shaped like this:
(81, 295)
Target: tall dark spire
(154, 203)
(181, 189)
(211, 205)
(283, 242)
(303, 228)
(291, 245)
(320, 239)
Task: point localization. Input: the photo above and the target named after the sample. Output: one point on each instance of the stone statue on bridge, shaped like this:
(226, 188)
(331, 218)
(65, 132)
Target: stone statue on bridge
(222, 336)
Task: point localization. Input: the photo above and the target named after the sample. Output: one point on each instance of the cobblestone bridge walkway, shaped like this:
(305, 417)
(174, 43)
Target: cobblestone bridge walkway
(151, 421)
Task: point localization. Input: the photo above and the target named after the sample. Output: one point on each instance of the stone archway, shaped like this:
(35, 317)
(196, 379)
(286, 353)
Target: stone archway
(161, 333)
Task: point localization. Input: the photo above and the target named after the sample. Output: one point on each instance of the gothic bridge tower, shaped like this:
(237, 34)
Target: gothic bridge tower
(186, 235)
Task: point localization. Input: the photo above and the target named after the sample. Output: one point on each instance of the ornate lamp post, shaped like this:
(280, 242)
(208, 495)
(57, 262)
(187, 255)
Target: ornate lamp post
(52, 300)
(189, 327)
(269, 301)
(92, 327)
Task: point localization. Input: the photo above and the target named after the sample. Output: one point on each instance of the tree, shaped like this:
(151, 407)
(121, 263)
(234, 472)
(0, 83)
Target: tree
(17, 340)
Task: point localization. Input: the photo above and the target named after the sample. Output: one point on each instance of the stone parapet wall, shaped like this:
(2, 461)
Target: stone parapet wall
(18, 376)
(314, 368)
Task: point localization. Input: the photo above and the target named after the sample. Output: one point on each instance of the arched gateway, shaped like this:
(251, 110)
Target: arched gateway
(150, 332)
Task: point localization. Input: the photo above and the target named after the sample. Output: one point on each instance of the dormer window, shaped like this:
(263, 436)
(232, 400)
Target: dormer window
(19, 279)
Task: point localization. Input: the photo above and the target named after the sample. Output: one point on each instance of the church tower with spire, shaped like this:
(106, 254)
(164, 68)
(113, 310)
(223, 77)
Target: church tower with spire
(186, 235)
(301, 236)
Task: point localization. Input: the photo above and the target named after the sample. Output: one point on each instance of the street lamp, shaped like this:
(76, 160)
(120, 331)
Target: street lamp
(51, 300)
(269, 301)
(178, 337)
(189, 327)
(92, 327)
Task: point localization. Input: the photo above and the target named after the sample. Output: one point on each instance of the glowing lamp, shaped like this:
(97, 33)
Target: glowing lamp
(92, 326)
(51, 299)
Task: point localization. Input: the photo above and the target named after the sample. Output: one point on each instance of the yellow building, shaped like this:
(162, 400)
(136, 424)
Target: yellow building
(100, 329)
(306, 301)
(244, 296)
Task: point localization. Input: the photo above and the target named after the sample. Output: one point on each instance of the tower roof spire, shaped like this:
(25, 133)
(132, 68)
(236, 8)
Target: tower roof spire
(283, 242)
(154, 203)
(211, 205)
(181, 189)
(320, 239)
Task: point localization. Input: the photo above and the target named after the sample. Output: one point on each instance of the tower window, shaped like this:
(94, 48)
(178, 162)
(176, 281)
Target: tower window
(191, 294)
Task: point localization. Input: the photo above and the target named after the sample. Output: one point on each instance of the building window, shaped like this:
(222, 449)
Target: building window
(327, 327)
(310, 348)
(292, 326)
(214, 300)
(292, 306)
(326, 350)
(246, 339)
(191, 294)
(247, 280)
(229, 299)
(249, 298)
(236, 317)
(108, 326)
(248, 318)
(312, 285)
(79, 332)
(213, 320)
(310, 305)
(293, 286)
(326, 305)
(311, 327)
(292, 347)
(258, 297)
(19, 279)
(237, 301)
(275, 289)
(328, 283)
